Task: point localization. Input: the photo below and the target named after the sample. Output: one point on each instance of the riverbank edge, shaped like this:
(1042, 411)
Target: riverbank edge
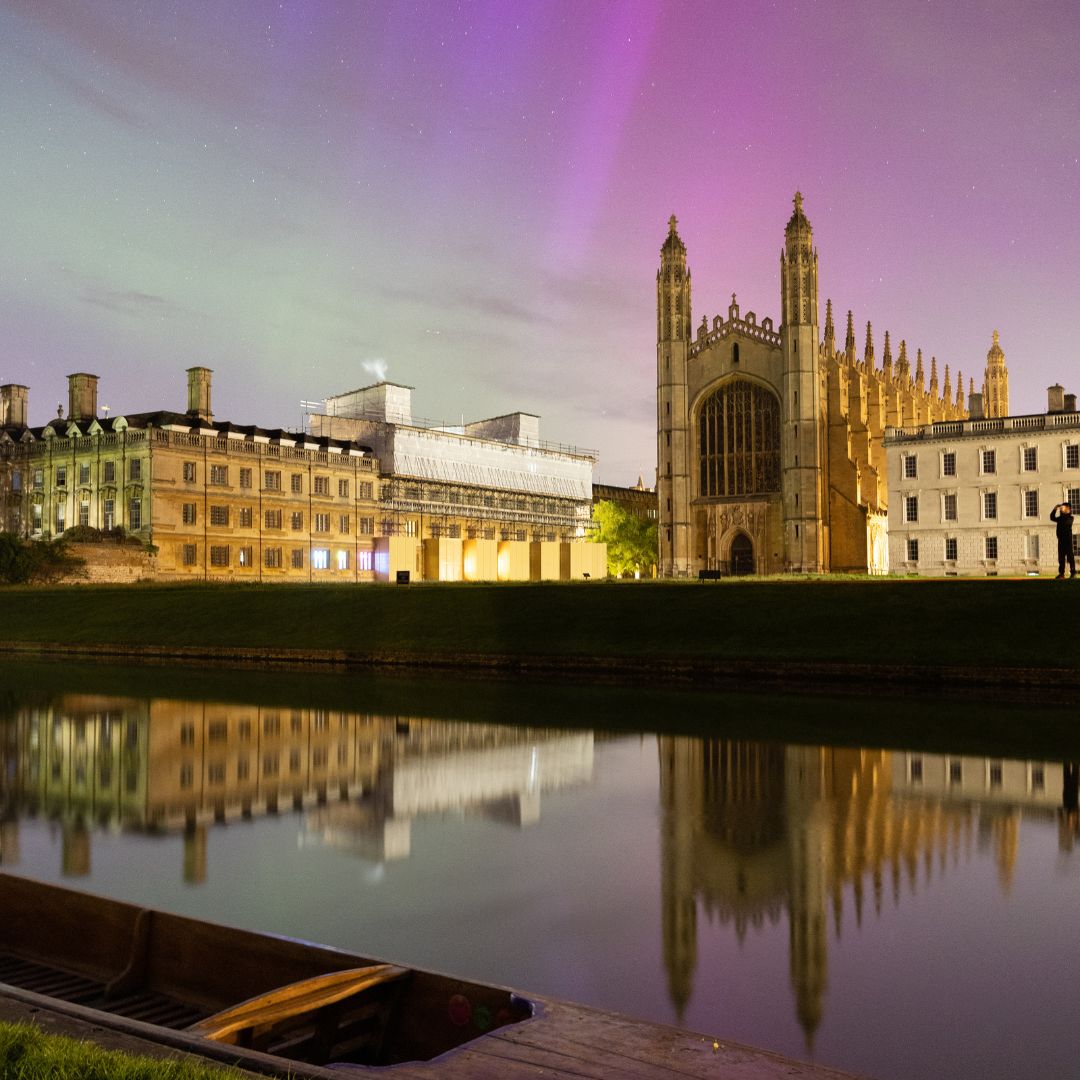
(669, 670)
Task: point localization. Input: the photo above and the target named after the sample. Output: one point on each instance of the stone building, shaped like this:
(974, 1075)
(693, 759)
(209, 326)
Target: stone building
(367, 495)
(973, 497)
(770, 438)
(215, 499)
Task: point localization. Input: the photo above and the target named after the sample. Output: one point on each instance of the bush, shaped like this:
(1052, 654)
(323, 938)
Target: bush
(32, 562)
(84, 534)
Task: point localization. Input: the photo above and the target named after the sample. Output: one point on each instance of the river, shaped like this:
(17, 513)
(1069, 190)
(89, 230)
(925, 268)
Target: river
(887, 886)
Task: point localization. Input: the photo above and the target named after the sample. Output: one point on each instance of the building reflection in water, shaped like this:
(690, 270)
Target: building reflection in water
(168, 765)
(751, 831)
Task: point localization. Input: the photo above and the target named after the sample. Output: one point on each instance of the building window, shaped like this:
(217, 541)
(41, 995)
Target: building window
(190, 513)
(1032, 542)
(191, 554)
(956, 772)
(219, 555)
(1072, 456)
(270, 765)
(187, 734)
(364, 489)
(454, 532)
(343, 560)
(272, 519)
(915, 770)
(245, 478)
(84, 474)
(272, 481)
(243, 730)
(187, 774)
(246, 516)
(911, 508)
(739, 440)
(410, 527)
(1038, 777)
(61, 515)
(246, 556)
(243, 768)
(322, 485)
(913, 550)
(948, 507)
(16, 480)
(1031, 458)
(215, 772)
(1074, 497)
(189, 472)
(294, 761)
(135, 514)
(61, 476)
(135, 469)
(1031, 504)
(911, 466)
(108, 513)
(84, 513)
(272, 724)
(948, 463)
(990, 505)
(217, 731)
(272, 558)
(297, 521)
(110, 473)
(365, 526)
(296, 483)
(995, 774)
(219, 515)
(343, 523)
(343, 489)
(489, 534)
(298, 559)
(991, 547)
(950, 548)
(219, 474)
(320, 558)
(364, 560)
(989, 461)
(320, 523)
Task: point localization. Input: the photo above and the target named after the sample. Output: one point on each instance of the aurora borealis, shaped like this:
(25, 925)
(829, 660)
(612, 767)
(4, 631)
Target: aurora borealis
(474, 194)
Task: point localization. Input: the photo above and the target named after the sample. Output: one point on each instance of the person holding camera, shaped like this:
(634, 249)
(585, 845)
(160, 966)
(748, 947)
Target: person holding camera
(1061, 515)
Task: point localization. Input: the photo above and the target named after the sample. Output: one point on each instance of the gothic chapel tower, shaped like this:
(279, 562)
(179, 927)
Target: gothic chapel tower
(804, 481)
(672, 417)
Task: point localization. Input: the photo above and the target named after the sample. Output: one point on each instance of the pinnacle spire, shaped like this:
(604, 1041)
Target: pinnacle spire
(829, 331)
(868, 348)
(849, 341)
(920, 374)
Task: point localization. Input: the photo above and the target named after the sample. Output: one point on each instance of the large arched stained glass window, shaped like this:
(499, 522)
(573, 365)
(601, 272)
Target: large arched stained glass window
(739, 431)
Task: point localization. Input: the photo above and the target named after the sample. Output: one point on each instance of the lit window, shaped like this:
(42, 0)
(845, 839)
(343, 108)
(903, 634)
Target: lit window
(320, 558)
(364, 558)
(246, 556)
(343, 560)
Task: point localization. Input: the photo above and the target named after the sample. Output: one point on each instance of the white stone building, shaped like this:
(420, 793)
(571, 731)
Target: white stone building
(973, 497)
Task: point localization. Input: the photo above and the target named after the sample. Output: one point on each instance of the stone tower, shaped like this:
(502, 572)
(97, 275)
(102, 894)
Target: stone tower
(802, 408)
(672, 408)
(996, 382)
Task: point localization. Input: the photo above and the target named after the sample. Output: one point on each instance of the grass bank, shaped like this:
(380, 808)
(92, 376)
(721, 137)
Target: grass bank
(26, 1053)
(876, 624)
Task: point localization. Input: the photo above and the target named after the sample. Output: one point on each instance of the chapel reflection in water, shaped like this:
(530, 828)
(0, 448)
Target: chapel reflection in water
(360, 780)
(751, 830)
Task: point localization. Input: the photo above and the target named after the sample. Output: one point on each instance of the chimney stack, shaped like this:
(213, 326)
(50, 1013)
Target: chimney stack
(975, 406)
(82, 396)
(198, 393)
(14, 405)
(1055, 398)
(1070, 403)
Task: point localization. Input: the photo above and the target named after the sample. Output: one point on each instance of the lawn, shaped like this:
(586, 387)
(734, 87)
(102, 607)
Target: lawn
(893, 622)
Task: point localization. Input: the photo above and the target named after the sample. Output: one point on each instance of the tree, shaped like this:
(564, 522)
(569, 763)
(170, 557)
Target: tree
(632, 546)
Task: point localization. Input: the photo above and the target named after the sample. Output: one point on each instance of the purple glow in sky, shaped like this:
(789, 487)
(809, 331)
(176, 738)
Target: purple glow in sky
(475, 194)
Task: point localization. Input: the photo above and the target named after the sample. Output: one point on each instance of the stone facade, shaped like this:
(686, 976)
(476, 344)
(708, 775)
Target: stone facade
(770, 440)
(215, 500)
(973, 497)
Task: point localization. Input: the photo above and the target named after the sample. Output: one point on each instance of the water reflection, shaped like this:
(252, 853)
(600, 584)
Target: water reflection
(802, 846)
(168, 765)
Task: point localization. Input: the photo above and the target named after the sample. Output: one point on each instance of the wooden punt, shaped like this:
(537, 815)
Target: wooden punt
(82, 964)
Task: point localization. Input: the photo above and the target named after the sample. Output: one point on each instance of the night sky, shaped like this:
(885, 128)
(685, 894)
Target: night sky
(472, 196)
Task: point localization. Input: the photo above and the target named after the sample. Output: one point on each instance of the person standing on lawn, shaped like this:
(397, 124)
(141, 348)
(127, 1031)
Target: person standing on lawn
(1061, 515)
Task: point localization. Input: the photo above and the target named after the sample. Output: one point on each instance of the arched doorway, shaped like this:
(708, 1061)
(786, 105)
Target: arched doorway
(742, 555)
